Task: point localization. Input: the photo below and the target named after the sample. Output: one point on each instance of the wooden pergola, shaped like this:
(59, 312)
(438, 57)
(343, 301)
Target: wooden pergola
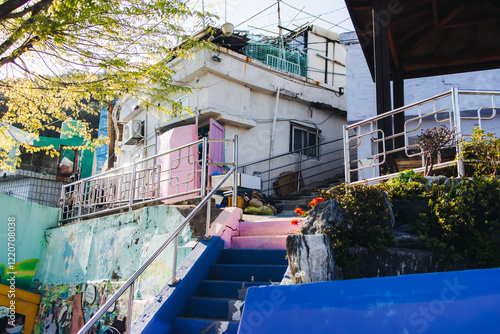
(416, 38)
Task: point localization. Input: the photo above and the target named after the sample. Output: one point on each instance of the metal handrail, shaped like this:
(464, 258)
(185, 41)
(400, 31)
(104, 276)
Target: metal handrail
(174, 235)
(301, 159)
(454, 119)
(133, 185)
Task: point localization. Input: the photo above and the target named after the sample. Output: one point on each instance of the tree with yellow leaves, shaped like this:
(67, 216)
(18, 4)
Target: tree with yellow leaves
(57, 56)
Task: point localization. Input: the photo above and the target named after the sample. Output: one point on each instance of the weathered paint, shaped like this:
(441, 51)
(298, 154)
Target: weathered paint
(451, 302)
(95, 257)
(30, 221)
(65, 308)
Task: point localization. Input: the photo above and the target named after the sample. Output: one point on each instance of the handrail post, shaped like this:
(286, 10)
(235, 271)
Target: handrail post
(174, 280)
(204, 171)
(130, 305)
(62, 201)
(132, 188)
(347, 163)
(80, 198)
(235, 176)
(458, 130)
(299, 171)
(209, 214)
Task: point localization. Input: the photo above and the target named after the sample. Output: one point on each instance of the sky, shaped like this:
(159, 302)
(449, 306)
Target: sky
(328, 14)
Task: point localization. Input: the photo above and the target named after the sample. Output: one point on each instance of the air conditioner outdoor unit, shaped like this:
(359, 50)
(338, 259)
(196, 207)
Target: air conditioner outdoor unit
(133, 131)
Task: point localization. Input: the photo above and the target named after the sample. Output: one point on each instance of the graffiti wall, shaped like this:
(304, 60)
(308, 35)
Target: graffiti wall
(84, 263)
(65, 308)
(26, 222)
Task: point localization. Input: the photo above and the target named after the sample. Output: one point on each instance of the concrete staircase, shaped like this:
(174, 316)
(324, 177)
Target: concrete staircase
(257, 257)
(301, 199)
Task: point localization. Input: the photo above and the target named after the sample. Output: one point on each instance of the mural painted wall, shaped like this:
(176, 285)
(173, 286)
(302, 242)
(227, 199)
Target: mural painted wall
(83, 263)
(28, 224)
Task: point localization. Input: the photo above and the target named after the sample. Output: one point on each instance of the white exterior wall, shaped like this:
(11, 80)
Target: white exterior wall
(240, 93)
(318, 40)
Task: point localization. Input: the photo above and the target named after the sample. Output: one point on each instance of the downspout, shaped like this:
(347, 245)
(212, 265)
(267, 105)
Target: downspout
(271, 149)
(273, 130)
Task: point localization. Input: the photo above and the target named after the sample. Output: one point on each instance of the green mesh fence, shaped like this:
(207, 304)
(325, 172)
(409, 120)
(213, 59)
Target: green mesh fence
(293, 62)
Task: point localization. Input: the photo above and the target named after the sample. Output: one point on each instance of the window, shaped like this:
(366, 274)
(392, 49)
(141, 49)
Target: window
(304, 137)
(178, 105)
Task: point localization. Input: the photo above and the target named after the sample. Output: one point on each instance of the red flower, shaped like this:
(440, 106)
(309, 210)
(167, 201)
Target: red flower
(295, 222)
(299, 211)
(316, 201)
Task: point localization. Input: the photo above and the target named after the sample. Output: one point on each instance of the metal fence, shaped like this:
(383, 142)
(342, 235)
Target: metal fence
(325, 162)
(458, 110)
(167, 177)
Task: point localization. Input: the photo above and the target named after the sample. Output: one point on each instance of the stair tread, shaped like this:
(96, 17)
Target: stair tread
(214, 298)
(206, 319)
(221, 281)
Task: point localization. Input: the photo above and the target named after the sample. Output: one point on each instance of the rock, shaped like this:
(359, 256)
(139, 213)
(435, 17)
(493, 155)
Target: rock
(324, 215)
(407, 236)
(312, 255)
(392, 262)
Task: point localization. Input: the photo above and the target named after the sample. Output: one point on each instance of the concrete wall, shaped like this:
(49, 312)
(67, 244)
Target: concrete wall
(31, 220)
(91, 259)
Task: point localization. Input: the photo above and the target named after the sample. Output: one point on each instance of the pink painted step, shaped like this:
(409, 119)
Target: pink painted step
(276, 227)
(259, 242)
(264, 234)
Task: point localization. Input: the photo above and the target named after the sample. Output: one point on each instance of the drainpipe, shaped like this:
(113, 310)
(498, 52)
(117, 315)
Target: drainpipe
(271, 148)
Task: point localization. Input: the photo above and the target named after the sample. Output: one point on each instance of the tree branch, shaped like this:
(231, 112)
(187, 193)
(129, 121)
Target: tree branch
(9, 6)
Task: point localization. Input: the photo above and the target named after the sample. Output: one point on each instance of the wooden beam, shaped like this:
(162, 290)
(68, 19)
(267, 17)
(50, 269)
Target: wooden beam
(392, 47)
(451, 60)
(415, 31)
(435, 13)
(441, 24)
(411, 16)
(472, 21)
(443, 42)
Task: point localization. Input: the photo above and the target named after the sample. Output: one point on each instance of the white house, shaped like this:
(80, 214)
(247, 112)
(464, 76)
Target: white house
(276, 101)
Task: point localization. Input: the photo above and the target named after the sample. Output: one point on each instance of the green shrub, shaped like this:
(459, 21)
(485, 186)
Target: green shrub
(464, 224)
(407, 185)
(482, 152)
(365, 222)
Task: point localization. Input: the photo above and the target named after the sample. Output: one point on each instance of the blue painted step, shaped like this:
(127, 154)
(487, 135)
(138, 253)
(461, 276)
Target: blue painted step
(214, 308)
(219, 303)
(254, 256)
(242, 272)
(203, 326)
(226, 289)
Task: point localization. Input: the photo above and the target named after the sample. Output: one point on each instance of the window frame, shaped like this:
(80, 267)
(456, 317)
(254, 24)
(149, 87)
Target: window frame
(309, 131)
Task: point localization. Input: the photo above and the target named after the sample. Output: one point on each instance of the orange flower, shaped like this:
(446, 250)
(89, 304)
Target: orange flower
(299, 211)
(295, 222)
